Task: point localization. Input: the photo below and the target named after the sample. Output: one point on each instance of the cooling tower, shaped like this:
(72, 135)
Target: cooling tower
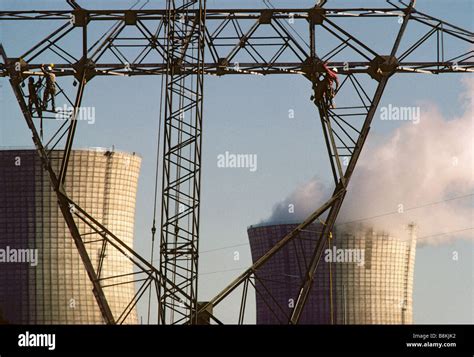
(279, 279)
(56, 289)
(363, 277)
(380, 290)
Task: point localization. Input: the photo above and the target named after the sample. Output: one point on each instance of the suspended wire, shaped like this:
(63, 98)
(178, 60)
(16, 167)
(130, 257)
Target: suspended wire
(443, 233)
(418, 238)
(222, 271)
(385, 214)
(366, 218)
(269, 5)
(407, 209)
(116, 25)
(153, 228)
(227, 247)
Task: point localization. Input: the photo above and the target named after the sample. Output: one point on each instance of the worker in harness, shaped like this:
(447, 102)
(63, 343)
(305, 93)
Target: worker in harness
(33, 96)
(325, 89)
(331, 85)
(50, 90)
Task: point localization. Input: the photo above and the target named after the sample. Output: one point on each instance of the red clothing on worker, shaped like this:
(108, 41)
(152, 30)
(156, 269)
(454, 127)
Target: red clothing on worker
(331, 75)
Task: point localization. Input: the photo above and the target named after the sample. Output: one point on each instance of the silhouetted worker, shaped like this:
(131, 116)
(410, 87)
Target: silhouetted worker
(318, 89)
(33, 96)
(50, 89)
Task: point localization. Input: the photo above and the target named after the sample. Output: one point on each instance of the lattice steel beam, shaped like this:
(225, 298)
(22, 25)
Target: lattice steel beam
(174, 41)
(179, 247)
(234, 35)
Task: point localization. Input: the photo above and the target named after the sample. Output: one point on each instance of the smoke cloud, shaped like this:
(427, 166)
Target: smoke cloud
(300, 203)
(421, 173)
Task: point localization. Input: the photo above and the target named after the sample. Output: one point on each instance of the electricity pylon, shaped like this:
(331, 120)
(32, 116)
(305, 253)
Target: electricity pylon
(185, 41)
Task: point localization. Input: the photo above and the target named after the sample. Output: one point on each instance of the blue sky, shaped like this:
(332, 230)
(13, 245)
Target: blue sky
(249, 114)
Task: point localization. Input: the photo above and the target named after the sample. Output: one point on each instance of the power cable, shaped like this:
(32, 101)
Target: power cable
(423, 237)
(361, 219)
(153, 228)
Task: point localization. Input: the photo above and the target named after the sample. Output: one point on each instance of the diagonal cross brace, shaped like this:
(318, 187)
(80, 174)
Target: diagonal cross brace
(63, 203)
(344, 180)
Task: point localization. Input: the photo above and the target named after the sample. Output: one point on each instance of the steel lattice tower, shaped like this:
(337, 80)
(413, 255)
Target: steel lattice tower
(185, 41)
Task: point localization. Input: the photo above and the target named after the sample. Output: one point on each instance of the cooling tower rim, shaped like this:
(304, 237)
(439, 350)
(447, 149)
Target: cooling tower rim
(286, 223)
(83, 149)
(354, 228)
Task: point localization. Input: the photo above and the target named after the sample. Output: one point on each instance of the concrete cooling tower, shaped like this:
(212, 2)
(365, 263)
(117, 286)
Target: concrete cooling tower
(363, 277)
(42, 278)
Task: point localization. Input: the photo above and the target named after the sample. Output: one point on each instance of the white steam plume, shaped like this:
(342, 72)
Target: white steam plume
(421, 173)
